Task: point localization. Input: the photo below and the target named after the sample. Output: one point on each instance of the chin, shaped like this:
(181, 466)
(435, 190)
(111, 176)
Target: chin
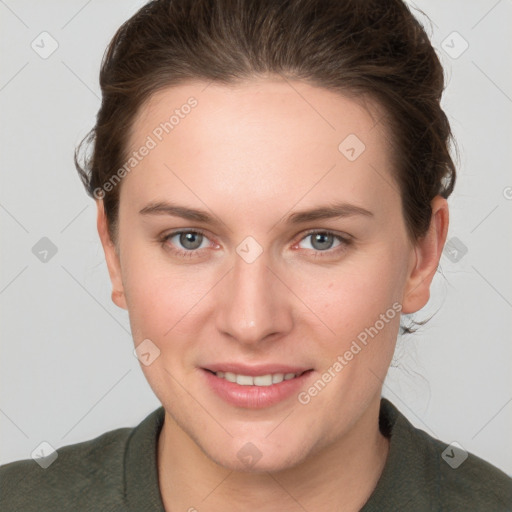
(264, 465)
(248, 458)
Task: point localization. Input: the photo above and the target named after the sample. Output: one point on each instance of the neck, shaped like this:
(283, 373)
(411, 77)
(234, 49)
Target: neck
(340, 477)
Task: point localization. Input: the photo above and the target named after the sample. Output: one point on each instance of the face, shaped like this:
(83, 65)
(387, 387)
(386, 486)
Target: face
(223, 271)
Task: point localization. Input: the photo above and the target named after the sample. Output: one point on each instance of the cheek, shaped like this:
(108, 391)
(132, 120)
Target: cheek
(165, 300)
(153, 298)
(157, 304)
(359, 302)
(161, 309)
(355, 291)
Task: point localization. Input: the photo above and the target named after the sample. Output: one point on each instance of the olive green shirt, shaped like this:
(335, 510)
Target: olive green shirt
(117, 471)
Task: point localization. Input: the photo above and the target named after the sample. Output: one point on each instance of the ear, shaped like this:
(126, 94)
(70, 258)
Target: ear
(111, 257)
(425, 259)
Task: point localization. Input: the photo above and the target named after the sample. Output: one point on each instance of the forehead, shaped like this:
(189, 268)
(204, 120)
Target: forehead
(258, 139)
(265, 104)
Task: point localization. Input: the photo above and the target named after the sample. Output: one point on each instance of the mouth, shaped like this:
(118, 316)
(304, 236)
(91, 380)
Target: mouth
(256, 388)
(257, 380)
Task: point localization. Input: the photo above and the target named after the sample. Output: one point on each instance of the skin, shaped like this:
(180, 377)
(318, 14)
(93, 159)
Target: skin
(250, 155)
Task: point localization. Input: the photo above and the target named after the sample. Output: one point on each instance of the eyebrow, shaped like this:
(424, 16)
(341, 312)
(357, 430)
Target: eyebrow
(336, 210)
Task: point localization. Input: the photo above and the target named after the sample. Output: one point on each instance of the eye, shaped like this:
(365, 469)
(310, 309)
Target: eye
(185, 243)
(189, 243)
(325, 241)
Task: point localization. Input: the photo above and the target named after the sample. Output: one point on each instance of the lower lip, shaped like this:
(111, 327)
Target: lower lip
(255, 397)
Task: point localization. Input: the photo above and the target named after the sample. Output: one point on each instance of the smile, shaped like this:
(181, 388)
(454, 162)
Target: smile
(259, 380)
(255, 391)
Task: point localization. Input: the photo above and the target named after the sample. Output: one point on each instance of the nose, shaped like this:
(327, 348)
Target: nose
(252, 304)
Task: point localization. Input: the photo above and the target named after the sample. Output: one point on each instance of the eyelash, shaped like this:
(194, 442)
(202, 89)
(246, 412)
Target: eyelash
(344, 243)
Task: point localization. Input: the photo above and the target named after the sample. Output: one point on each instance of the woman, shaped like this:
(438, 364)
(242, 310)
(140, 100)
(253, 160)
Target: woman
(271, 181)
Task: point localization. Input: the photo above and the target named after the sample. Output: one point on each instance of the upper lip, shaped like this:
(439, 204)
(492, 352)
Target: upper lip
(255, 370)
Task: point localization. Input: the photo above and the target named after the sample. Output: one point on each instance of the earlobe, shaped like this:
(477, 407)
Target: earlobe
(111, 258)
(118, 299)
(427, 253)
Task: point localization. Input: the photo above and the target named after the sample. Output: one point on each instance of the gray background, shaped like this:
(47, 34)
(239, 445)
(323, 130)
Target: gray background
(68, 372)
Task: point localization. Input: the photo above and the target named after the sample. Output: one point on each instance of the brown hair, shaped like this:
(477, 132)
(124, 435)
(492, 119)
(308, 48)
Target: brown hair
(373, 48)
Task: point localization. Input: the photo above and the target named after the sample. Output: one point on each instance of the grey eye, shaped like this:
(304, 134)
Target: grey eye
(321, 241)
(190, 240)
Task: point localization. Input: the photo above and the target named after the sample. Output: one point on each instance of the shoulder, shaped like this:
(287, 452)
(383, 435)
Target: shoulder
(82, 476)
(440, 474)
(464, 480)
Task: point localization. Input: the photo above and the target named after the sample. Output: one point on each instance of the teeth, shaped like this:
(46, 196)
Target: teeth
(259, 380)
(244, 380)
(231, 377)
(278, 377)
